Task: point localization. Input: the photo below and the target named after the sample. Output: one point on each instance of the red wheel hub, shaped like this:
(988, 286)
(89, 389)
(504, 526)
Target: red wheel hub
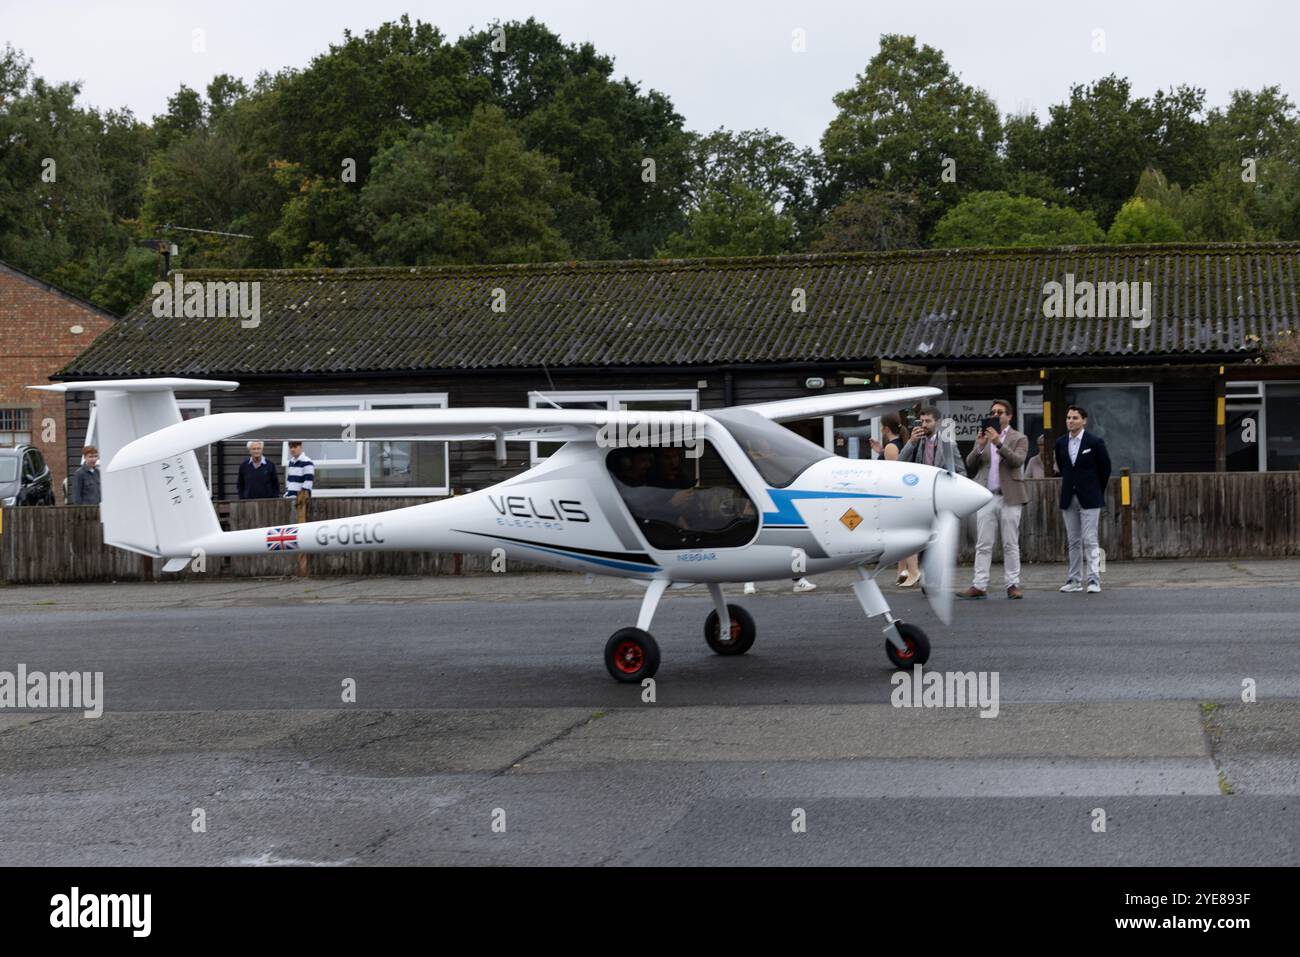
(909, 651)
(629, 657)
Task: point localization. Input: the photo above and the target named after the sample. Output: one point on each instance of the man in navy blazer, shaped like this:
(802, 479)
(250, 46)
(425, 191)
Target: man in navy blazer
(1084, 464)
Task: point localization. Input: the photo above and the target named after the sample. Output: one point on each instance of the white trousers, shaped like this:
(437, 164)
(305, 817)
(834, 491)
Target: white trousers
(1081, 534)
(997, 516)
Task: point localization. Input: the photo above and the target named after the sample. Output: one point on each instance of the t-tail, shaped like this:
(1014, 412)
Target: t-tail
(161, 508)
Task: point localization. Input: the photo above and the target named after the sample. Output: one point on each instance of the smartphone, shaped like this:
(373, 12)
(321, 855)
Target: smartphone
(991, 422)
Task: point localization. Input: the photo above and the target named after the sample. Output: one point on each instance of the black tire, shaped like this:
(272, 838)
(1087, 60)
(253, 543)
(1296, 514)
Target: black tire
(743, 632)
(631, 655)
(917, 642)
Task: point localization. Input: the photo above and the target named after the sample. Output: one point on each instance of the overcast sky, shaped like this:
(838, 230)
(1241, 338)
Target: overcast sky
(723, 64)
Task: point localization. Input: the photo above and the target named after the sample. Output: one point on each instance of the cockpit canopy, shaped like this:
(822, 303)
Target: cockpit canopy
(780, 455)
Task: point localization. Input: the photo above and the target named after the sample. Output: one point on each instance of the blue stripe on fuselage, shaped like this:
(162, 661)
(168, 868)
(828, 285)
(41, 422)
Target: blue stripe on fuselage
(787, 514)
(609, 563)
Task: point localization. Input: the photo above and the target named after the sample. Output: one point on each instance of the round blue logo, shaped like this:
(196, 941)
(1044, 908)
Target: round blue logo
(910, 478)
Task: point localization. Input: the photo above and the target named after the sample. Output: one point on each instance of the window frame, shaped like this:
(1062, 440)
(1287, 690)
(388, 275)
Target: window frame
(612, 397)
(18, 432)
(1026, 403)
(1263, 418)
(1256, 400)
(1151, 408)
(349, 402)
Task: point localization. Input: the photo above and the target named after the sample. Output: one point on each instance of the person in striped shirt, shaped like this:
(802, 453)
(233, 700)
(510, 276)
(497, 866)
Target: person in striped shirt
(300, 474)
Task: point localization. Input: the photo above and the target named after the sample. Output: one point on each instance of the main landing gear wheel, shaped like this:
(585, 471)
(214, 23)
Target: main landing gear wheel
(741, 638)
(631, 655)
(918, 647)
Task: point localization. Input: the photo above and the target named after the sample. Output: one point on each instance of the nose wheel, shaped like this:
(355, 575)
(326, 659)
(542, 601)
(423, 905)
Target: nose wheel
(740, 636)
(631, 655)
(917, 651)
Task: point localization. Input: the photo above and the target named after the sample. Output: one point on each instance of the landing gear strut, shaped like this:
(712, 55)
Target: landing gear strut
(632, 654)
(906, 645)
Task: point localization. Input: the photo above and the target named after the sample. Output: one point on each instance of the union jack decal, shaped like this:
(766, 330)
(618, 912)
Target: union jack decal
(282, 539)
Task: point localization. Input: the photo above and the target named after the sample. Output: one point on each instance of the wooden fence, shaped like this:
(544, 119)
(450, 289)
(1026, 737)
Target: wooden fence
(1173, 515)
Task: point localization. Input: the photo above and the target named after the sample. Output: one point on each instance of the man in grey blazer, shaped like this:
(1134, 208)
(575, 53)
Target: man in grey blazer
(996, 462)
(928, 447)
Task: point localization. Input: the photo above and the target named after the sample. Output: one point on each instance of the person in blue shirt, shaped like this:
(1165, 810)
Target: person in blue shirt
(257, 476)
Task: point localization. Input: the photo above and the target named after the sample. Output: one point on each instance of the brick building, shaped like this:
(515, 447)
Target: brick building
(42, 328)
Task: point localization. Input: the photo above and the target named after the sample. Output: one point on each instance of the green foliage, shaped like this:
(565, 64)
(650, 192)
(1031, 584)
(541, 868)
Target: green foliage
(999, 219)
(1221, 208)
(1144, 221)
(478, 195)
(732, 220)
(783, 173)
(906, 114)
(871, 220)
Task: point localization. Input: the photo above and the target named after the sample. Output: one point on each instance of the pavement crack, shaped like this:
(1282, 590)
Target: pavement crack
(553, 739)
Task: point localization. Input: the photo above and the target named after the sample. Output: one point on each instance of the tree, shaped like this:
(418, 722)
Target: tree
(63, 172)
(1094, 146)
(366, 93)
(783, 173)
(871, 220)
(1143, 221)
(1222, 208)
(476, 195)
(221, 176)
(998, 219)
(907, 114)
(733, 220)
(1252, 126)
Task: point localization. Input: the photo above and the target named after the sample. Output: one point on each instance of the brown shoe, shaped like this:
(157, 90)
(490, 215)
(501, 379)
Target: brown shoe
(972, 592)
(1014, 592)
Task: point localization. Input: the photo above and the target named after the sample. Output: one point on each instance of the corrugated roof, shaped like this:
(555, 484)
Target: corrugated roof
(930, 304)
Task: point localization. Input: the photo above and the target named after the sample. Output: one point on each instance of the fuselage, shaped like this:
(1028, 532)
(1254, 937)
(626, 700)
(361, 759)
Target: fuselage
(571, 512)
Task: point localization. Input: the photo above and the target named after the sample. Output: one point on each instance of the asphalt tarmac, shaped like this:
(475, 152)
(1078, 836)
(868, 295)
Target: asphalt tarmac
(485, 729)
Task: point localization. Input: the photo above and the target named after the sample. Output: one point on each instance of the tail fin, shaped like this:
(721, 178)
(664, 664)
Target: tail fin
(155, 509)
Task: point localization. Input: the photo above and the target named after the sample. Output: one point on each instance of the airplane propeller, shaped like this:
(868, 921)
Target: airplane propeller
(939, 564)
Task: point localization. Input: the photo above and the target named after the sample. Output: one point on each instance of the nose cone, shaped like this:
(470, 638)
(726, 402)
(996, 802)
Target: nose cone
(961, 496)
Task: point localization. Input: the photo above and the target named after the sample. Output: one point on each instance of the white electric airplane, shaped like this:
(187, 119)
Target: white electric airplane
(667, 498)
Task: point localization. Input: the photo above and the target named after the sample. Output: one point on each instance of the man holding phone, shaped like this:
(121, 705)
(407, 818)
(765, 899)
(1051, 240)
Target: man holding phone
(1000, 452)
(927, 447)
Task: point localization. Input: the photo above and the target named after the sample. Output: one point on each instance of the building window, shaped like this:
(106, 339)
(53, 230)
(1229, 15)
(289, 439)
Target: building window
(1262, 426)
(1282, 416)
(15, 427)
(1123, 415)
(382, 467)
(1245, 444)
(660, 400)
(1029, 412)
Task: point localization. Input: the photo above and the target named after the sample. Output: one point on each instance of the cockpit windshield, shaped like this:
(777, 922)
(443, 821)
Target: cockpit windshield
(779, 455)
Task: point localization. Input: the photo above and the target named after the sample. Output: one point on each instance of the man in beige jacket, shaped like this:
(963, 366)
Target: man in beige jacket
(996, 463)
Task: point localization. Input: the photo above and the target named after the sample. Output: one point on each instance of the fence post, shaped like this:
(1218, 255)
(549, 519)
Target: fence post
(303, 568)
(1126, 515)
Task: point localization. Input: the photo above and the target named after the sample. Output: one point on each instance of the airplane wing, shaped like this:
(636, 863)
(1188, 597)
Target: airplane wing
(866, 404)
(412, 425)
